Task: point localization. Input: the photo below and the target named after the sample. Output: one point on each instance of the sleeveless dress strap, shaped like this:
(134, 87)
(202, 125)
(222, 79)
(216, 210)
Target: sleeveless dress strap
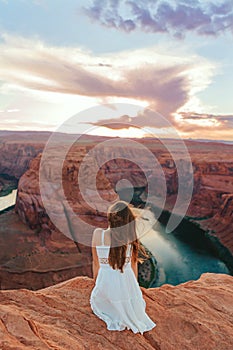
(102, 237)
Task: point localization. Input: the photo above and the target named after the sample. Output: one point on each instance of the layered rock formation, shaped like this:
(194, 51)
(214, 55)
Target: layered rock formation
(194, 315)
(29, 204)
(212, 172)
(221, 223)
(51, 256)
(15, 157)
(34, 261)
(210, 207)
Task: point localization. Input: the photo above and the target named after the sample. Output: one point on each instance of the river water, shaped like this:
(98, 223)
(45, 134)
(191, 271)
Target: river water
(178, 261)
(8, 201)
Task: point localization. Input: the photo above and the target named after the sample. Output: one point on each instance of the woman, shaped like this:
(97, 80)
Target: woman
(117, 298)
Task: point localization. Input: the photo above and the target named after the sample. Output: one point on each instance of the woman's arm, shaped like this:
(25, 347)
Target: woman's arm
(95, 263)
(95, 260)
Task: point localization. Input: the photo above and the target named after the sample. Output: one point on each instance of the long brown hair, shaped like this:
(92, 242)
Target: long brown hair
(122, 232)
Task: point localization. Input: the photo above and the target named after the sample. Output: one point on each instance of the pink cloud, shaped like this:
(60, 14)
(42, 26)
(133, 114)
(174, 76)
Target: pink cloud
(45, 69)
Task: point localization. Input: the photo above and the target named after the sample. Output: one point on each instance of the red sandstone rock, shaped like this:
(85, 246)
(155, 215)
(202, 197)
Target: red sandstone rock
(29, 260)
(221, 223)
(193, 315)
(212, 196)
(15, 157)
(212, 181)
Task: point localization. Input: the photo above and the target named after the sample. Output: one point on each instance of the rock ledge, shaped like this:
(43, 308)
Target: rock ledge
(193, 315)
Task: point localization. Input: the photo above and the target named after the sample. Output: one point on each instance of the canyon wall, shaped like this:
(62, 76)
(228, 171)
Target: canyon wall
(15, 157)
(212, 202)
(211, 206)
(51, 256)
(34, 260)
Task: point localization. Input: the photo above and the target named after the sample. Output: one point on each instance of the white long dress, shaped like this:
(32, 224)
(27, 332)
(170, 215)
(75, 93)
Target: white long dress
(117, 298)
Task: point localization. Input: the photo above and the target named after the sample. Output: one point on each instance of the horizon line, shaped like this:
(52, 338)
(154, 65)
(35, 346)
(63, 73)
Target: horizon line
(107, 136)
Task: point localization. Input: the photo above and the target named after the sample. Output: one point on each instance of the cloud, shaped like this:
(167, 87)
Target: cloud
(205, 126)
(204, 120)
(190, 124)
(144, 118)
(18, 124)
(123, 122)
(164, 81)
(176, 18)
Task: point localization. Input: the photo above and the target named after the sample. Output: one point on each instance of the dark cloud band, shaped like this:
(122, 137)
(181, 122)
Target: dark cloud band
(202, 17)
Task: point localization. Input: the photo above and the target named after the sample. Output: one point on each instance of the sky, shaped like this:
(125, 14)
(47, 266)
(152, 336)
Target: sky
(172, 58)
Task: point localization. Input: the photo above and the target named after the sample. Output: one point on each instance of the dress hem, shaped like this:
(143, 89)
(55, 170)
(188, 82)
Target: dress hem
(120, 326)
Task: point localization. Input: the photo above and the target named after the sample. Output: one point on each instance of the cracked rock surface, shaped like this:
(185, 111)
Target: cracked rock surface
(194, 315)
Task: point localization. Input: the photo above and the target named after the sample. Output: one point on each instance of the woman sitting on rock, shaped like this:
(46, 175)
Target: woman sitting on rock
(117, 298)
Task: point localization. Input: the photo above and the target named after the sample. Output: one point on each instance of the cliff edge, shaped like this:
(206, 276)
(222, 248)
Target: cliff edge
(193, 315)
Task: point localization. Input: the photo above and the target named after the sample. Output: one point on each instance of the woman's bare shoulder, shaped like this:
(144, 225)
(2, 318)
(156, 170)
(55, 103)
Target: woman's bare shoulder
(97, 231)
(96, 235)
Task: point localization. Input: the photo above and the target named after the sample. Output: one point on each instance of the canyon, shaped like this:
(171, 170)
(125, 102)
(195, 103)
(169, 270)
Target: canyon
(61, 256)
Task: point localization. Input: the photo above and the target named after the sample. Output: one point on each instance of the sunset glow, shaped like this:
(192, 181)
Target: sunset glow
(46, 77)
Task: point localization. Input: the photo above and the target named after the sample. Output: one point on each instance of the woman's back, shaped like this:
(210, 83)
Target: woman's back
(117, 298)
(103, 251)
